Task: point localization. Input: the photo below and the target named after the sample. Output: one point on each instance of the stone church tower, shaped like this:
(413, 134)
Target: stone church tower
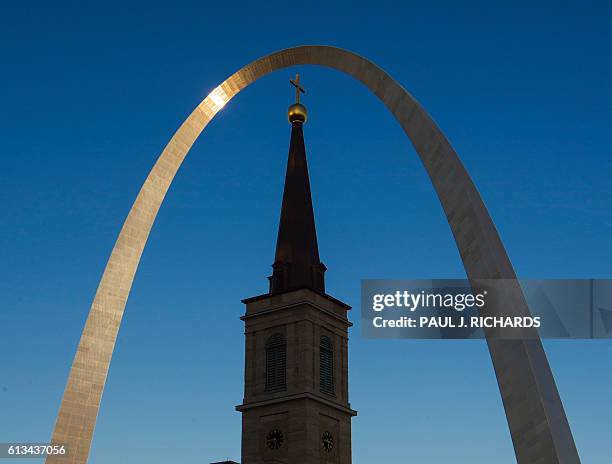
(296, 408)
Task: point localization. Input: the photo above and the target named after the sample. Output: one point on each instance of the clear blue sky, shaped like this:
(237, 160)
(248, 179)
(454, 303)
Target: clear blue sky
(91, 94)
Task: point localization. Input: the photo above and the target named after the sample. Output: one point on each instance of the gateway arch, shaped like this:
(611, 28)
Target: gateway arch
(538, 425)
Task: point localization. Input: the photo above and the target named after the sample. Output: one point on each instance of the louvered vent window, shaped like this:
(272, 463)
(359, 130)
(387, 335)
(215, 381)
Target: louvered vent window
(276, 363)
(326, 361)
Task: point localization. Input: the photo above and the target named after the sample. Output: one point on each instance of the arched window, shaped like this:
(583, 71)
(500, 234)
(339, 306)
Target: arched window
(326, 366)
(276, 363)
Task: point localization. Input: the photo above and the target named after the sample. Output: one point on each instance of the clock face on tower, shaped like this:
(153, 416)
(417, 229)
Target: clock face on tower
(327, 441)
(274, 440)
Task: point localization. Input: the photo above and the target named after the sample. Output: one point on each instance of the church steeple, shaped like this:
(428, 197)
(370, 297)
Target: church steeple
(296, 405)
(297, 263)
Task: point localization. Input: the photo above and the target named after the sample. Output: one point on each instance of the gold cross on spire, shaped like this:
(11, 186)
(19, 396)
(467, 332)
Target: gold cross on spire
(298, 87)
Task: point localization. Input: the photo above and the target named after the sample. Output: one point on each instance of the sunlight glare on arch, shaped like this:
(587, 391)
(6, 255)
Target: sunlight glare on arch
(219, 98)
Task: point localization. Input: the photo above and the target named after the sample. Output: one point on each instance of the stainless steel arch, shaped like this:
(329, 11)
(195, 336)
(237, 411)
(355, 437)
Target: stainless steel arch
(537, 421)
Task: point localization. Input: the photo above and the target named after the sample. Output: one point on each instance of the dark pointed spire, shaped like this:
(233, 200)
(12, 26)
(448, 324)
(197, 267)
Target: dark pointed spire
(297, 263)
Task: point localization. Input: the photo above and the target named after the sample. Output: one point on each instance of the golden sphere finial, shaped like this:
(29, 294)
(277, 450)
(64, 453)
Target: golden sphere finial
(297, 113)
